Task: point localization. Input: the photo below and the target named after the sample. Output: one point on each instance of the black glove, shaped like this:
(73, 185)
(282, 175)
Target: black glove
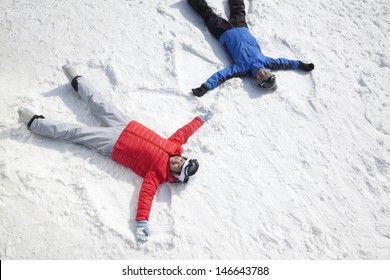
(200, 91)
(305, 66)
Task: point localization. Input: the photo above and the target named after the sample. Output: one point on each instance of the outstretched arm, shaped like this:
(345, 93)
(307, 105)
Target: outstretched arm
(218, 78)
(281, 63)
(285, 64)
(182, 134)
(146, 196)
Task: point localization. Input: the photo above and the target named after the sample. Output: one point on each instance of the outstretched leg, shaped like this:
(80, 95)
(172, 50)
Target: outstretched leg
(107, 113)
(214, 23)
(100, 139)
(237, 13)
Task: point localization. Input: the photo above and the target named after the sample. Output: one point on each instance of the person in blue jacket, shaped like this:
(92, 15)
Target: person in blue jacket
(242, 47)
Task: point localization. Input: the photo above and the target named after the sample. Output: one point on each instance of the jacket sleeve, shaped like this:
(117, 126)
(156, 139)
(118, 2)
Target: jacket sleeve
(221, 76)
(280, 63)
(146, 196)
(182, 134)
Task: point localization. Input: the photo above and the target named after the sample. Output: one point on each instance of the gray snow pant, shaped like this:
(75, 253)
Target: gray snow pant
(100, 139)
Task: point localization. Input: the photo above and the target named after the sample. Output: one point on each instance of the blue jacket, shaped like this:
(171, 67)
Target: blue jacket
(247, 56)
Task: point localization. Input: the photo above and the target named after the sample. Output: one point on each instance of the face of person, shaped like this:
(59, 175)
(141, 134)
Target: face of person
(176, 163)
(261, 73)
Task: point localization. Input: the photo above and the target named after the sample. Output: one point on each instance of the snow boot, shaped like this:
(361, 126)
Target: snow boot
(27, 117)
(71, 74)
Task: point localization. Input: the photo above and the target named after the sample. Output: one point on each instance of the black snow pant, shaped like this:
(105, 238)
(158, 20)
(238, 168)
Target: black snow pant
(216, 24)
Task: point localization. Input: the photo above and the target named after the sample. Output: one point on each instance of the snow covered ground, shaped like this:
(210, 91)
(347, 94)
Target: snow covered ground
(302, 173)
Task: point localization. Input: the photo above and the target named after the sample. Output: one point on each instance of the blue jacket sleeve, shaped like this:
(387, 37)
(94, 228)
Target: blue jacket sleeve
(280, 63)
(223, 75)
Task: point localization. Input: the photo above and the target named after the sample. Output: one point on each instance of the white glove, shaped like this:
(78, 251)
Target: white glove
(142, 233)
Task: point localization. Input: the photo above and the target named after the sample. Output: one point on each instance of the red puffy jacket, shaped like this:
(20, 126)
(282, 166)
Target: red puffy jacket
(147, 154)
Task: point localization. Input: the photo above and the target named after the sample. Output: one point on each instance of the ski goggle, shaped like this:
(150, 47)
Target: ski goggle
(190, 167)
(268, 82)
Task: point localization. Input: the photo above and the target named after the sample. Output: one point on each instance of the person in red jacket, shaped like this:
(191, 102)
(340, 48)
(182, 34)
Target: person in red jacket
(149, 155)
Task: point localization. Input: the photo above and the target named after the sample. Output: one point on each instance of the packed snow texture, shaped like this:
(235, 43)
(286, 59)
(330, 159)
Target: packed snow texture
(301, 173)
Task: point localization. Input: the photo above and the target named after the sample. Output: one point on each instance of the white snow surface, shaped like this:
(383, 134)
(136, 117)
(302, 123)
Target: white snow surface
(302, 173)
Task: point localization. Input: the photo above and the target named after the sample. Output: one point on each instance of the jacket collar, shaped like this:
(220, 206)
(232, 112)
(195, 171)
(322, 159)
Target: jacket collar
(169, 177)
